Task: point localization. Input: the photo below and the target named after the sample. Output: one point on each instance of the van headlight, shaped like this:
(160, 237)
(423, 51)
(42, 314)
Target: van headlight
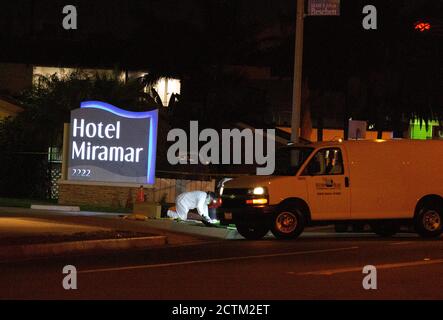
(258, 191)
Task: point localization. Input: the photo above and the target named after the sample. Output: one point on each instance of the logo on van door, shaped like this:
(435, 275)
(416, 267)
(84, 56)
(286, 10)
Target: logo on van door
(328, 184)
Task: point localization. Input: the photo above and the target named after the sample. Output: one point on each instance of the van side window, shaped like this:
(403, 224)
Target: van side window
(325, 162)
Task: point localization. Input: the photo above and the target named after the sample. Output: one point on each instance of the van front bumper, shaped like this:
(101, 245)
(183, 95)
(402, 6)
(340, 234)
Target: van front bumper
(246, 215)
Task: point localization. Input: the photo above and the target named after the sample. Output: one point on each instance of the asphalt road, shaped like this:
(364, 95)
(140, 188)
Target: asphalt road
(316, 266)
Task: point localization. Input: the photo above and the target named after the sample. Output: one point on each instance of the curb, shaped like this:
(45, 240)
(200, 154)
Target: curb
(55, 208)
(218, 233)
(9, 253)
(196, 230)
(213, 232)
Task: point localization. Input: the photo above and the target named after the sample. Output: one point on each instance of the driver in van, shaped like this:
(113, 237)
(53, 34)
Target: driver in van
(334, 163)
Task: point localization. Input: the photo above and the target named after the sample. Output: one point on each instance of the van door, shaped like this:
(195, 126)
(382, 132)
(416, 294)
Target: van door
(327, 182)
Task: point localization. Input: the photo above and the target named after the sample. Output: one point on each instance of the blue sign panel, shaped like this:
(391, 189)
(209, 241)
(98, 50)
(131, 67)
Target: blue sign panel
(109, 144)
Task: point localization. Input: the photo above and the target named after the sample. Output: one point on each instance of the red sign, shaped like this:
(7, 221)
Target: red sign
(422, 26)
(324, 8)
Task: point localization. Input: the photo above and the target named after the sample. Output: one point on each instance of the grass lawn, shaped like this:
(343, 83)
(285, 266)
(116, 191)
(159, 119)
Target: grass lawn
(26, 203)
(23, 203)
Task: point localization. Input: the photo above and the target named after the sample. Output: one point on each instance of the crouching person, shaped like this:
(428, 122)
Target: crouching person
(193, 200)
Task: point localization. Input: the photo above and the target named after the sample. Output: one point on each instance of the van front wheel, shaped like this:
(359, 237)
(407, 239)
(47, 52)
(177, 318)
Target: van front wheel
(428, 222)
(288, 224)
(252, 232)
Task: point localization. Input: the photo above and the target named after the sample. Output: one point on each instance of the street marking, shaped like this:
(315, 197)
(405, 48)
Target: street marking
(379, 267)
(400, 243)
(161, 265)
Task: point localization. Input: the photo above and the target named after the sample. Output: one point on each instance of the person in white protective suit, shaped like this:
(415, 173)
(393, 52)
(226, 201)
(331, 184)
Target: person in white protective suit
(193, 200)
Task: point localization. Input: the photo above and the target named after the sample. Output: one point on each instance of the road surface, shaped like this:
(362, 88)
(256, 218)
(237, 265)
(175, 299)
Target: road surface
(320, 265)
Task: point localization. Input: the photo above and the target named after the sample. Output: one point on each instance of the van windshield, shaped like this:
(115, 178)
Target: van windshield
(288, 160)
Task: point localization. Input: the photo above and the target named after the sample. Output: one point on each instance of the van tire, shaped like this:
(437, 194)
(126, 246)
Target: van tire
(385, 229)
(429, 220)
(288, 223)
(252, 232)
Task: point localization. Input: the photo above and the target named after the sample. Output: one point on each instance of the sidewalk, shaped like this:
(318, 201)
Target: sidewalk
(25, 234)
(176, 232)
(15, 227)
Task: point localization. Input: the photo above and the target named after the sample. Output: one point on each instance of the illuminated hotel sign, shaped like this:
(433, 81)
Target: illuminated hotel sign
(108, 144)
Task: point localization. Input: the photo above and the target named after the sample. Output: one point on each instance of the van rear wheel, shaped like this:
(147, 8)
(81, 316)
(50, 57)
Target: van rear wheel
(252, 231)
(429, 220)
(288, 224)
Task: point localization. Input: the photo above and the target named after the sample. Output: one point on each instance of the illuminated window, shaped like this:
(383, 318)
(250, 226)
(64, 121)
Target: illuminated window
(65, 72)
(165, 87)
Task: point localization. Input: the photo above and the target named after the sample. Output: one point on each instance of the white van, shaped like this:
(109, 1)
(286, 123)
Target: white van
(381, 182)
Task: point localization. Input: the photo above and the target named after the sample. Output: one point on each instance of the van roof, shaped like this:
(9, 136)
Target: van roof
(364, 142)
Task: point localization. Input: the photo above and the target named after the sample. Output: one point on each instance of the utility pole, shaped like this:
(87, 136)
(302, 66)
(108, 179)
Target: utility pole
(298, 64)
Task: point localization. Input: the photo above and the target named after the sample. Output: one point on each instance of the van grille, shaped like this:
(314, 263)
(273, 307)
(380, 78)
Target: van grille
(234, 198)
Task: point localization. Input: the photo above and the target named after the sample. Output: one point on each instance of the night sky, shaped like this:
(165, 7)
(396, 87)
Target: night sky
(176, 34)
(185, 38)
